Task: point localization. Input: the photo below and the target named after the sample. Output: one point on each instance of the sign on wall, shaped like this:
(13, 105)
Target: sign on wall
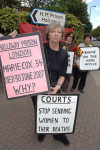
(23, 65)
(90, 58)
(45, 17)
(56, 113)
(70, 62)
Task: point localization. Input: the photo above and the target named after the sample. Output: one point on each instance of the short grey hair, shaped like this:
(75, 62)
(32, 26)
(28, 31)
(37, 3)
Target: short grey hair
(53, 26)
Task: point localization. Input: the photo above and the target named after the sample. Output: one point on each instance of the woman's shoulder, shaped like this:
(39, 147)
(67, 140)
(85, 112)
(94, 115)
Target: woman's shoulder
(63, 52)
(81, 45)
(62, 44)
(90, 45)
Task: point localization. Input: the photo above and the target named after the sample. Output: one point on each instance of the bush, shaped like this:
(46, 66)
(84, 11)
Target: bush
(72, 21)
(9, 19)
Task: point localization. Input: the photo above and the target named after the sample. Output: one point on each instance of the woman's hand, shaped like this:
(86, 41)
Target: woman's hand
(54, 89)
(78, 66)
(13, 34)
(64, 47)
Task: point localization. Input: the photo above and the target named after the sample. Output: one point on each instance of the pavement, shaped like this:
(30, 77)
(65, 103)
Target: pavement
(17, 121)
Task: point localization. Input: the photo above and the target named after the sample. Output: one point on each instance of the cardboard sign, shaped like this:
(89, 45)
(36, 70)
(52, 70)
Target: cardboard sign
(45, 17)
(23, 65)
(90, 58)
(70, 62)
(56, 113)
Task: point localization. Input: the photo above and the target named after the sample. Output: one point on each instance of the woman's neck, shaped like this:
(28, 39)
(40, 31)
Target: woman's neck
(86, 44)
(68, 42)
(54, 46)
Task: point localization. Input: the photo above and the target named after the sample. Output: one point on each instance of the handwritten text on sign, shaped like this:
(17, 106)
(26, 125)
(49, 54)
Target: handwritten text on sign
(56, 113)
(90, 58)
(70, 62)
(23, 66)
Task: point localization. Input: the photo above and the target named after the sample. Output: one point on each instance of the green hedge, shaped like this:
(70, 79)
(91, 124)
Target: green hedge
(72, 21)
(9, 19)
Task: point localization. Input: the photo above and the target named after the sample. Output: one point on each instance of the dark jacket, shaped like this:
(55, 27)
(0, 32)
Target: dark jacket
(57, 62)
(70, 47)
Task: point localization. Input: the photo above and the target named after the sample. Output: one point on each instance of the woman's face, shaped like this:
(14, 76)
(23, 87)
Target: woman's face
(55, 35)
(87, 40)
(69, 38)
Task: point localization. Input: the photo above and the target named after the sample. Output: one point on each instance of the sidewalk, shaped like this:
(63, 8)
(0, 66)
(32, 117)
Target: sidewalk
(17, 122)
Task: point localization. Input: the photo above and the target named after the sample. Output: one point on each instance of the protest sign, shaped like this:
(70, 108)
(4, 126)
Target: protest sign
(70, 62)
(23, 65)
(90, 58)
(56, 113)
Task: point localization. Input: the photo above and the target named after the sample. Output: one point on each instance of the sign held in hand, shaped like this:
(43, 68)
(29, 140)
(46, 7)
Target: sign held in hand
(90, 58)
(56, 113)
(23, 65)
(70, 62)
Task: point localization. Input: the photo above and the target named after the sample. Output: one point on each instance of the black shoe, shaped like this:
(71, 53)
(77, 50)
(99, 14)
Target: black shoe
(62, 138)
(81, 91)
(72, 90)
(41, 137)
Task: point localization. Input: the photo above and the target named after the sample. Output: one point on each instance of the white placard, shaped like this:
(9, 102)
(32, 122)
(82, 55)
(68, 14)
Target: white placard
(70, 62)
(90, 58)
(56, 113)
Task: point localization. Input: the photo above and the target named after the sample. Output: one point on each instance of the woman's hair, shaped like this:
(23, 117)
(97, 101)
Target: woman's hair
(68, 34)
(87, 35)
(53, 26)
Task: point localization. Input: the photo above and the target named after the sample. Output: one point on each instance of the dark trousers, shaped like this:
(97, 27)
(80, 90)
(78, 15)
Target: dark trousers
(82, 75)
(66, 83)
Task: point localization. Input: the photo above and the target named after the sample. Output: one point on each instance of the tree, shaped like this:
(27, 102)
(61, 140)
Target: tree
(78, 8)
(57, 5)
(10, 3)
(96, 32)
(87, 26)
(9, 19)
(72, 21)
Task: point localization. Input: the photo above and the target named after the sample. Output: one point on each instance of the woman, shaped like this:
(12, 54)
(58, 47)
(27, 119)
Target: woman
(57, 61)
(68, 46)
(81, 74)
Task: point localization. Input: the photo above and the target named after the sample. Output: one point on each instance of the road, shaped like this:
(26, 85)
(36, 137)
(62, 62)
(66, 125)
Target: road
(96, 43)
(96, 74)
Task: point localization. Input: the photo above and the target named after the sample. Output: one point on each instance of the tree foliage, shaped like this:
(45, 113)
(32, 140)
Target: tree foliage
(10, 3)
(72, 21)
(9, 19)
(78, 8)
(96, 32)
(57, 5)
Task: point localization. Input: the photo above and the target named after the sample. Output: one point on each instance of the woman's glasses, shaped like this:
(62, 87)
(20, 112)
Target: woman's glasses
(70, 36)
